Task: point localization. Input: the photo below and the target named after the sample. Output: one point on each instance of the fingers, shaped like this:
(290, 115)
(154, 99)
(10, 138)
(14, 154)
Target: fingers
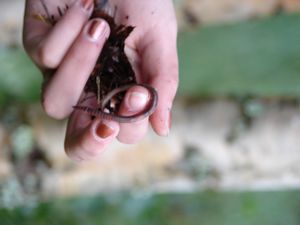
(161, 119)
(63, 90)
(160, 65)
(86, 138)
(48, 45)
(135, 101)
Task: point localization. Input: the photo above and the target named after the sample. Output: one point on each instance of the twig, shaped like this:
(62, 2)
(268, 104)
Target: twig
(45, 8)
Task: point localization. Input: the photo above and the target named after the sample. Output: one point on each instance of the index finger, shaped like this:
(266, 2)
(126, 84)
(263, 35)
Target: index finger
(44, 42)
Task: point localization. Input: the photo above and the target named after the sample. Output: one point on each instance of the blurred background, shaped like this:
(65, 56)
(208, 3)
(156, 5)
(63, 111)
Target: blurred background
(233, 156)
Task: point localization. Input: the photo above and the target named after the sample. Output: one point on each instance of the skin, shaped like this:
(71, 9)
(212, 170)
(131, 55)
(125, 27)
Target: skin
(67, 62)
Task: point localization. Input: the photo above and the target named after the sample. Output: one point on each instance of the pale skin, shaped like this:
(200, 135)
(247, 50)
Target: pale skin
(66, 54)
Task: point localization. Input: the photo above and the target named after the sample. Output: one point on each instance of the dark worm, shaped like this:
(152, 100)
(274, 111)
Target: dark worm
(99, 112)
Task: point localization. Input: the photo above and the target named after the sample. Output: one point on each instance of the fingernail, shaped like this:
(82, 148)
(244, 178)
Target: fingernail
(136, 101)
(96, 30)
(104, 131)
(86, 4)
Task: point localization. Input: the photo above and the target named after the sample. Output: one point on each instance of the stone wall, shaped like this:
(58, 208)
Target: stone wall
(220, 11)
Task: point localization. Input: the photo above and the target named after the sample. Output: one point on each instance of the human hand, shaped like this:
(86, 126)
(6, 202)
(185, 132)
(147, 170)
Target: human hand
(67, 63)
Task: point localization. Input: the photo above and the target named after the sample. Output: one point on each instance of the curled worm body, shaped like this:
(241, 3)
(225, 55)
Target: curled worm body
(99, 112)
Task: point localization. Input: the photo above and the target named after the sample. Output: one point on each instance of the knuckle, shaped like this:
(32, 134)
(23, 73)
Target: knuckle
(46, 57)
(52, 110)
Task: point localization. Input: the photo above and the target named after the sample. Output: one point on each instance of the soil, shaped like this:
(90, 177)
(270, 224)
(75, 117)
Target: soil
(113, 68)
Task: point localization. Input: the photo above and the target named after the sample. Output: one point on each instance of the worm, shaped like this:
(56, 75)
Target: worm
(99, 113)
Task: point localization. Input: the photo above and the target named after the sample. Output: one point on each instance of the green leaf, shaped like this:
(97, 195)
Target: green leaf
(260, 58)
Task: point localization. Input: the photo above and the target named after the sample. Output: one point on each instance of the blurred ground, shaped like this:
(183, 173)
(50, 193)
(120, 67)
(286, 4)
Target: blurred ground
(209, 208)
(240, 142)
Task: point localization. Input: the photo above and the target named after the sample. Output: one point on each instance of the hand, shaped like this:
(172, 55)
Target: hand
(67, 52)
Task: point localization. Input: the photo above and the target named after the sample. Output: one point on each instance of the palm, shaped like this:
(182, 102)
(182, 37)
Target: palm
(53, 10)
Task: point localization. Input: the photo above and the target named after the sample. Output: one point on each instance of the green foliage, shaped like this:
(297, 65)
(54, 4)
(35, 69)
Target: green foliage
(209, 208)
(259, 58)
(19, 78)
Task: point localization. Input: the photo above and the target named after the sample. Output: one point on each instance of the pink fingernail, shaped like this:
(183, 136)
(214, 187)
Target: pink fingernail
(86, 4)
(137, 100)
(96, 30)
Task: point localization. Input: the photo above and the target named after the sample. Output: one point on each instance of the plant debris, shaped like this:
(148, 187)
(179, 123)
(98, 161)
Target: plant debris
(113, 69)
